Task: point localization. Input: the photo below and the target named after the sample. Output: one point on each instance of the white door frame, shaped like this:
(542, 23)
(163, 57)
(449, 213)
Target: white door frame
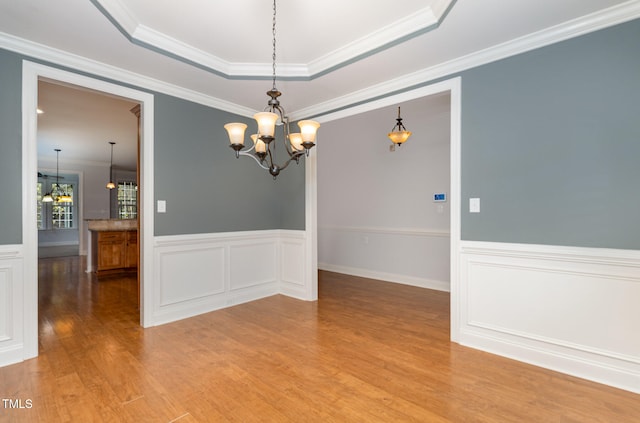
(31, 72)
(453, 87)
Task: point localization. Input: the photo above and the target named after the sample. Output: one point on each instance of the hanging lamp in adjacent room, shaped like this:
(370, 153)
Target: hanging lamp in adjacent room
(111, 184)
(59, 195)
(399, 133)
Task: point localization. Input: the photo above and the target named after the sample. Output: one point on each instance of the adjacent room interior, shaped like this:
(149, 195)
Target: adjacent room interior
(440, 227)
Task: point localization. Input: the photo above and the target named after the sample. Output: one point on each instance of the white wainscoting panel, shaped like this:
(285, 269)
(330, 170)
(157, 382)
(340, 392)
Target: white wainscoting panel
(293, 262)
(200, 271)
(253, 262)
(206, 272)
(11, 301)
(415, 257)
(574, 310)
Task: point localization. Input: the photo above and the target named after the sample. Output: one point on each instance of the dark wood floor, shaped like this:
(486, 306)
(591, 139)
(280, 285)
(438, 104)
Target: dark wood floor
(367, 351)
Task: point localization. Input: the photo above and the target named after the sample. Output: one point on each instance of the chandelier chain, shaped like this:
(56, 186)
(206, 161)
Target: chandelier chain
(273, 30)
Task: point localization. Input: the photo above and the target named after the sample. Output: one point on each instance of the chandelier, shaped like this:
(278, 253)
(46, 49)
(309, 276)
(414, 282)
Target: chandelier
(57, 194)
(263, 150)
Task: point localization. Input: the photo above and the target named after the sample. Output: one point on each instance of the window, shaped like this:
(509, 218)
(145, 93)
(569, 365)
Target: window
(127, 200)
(39, 209)
(55, 215)
(62, 213)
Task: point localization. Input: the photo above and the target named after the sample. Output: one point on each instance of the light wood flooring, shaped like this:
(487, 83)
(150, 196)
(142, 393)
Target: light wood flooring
(367, 351)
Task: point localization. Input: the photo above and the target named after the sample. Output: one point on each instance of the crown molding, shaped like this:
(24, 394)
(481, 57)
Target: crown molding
(395, 33)
(612, 16)
(392, 34)
(104, 70)
(580, 26)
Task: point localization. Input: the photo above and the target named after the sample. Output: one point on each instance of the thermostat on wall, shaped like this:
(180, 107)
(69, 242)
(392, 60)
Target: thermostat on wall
(439, 198)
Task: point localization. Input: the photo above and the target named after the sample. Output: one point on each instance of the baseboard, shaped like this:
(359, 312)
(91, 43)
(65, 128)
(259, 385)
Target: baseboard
(387, 277)
(58, 244)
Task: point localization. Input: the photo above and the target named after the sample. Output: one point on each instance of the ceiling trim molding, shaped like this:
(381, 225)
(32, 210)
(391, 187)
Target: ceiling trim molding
(589, 23)
(113, 73)
(395, 33)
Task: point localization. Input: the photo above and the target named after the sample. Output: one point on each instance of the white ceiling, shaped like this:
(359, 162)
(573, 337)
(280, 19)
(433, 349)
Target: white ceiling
(327, 51)
(81, 122)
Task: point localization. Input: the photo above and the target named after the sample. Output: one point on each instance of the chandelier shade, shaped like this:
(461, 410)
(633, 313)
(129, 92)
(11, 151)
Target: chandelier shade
(263, 150)
(236, 133)
(296, 141)
(266, 124)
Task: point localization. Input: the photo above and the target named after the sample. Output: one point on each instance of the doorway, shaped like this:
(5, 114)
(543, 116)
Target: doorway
(32, 73)
(356, 239)
(80, 123)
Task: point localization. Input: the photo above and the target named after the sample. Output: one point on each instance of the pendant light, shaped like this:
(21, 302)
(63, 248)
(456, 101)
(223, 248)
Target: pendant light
(110, 184)
(47, 198)
(399, 133)
(57, 195)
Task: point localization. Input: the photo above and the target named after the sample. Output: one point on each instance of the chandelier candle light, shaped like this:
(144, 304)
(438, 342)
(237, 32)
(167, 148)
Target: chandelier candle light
(296, 144)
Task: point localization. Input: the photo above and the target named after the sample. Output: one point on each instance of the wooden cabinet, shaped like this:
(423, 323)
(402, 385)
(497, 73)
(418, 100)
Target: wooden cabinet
(131, 254)
(115, 251)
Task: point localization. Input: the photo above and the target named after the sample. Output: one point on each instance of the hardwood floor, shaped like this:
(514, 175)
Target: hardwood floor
(367, 351)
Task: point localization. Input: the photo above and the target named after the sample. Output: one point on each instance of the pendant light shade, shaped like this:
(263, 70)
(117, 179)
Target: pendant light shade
(110, 184)
(64, 198)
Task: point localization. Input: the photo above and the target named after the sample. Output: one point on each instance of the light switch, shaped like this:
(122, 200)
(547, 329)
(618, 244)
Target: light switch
(474, 205)
(162, 206)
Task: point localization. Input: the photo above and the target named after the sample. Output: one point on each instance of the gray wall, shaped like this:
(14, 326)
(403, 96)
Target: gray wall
(10, 148)
(551, 144)
(206, 188)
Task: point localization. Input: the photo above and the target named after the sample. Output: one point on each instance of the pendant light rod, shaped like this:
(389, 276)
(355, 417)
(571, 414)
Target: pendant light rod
(57, 150)
(110, 184)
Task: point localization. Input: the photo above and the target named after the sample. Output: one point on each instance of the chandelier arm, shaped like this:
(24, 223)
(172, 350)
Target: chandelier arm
(247, 150)
(270, 155)
(248, 154)
(286, 140)
(284, 166)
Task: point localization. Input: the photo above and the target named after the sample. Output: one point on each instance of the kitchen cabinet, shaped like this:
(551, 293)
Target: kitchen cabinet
(115, 251)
